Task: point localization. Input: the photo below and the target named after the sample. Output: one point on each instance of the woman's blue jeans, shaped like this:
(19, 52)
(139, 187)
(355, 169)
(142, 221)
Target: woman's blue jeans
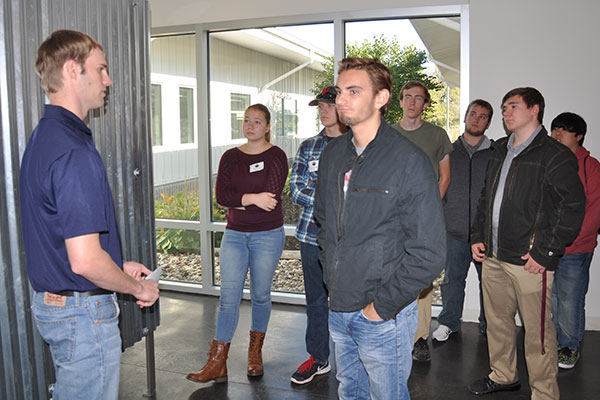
(568, 298)
(258, 252)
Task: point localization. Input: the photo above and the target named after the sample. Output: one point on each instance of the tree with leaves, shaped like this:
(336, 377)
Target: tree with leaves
(406, 63)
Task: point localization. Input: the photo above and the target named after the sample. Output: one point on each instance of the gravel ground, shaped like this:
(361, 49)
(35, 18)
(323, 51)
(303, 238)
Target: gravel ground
(185, 267)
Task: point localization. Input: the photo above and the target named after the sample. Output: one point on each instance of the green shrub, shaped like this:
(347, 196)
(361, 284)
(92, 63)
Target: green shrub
(185, 206)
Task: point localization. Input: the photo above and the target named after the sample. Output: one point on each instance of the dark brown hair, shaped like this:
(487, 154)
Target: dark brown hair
(481, 103)
(262, 108)
(531, 96)
(412, 84)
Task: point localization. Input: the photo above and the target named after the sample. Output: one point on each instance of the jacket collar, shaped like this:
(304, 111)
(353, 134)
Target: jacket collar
(378, 136)
(539, 139)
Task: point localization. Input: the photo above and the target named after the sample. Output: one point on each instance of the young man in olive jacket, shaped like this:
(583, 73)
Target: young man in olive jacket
(531, 207)
(382, 236)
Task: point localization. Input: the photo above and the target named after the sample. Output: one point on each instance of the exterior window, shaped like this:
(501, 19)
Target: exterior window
(239, 103)
(156, 114)
(186, 114)
(289, 127)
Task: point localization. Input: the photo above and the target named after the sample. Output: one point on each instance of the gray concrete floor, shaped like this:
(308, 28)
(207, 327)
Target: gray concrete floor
(188, 326)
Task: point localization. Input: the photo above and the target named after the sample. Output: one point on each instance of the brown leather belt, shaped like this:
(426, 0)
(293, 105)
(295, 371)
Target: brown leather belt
(95, 292)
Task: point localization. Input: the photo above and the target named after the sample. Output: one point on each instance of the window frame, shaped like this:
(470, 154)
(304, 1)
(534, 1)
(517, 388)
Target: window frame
(238, 112)
(160, 121)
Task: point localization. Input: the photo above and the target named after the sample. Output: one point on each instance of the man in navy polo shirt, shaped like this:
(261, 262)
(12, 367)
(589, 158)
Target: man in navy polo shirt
(70, 234)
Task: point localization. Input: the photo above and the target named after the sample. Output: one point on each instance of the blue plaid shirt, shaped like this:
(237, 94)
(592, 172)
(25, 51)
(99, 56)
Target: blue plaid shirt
(303, 182)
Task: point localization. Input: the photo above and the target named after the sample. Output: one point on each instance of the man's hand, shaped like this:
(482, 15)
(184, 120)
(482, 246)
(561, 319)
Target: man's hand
(478, 252)
(370, 313)
(135, 270)
(531, 265)
(148, 293)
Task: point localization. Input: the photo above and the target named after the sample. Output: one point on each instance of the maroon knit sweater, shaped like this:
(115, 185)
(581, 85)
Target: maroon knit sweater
(269, 172)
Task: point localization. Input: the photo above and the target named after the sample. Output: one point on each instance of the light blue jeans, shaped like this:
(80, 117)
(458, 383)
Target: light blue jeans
(259, 252)
(373, 358)
(570, 286)
(85, 343)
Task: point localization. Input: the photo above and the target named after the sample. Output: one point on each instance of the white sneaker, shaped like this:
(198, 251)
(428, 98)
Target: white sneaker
(442, 333)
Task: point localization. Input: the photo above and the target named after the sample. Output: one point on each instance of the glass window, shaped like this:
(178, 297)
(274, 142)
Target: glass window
(175, 157)
(278, 67)
(178, 253)
(423, 49)
(282, 67)
(186, 114)
(156, 114)
(239, 103)
(290, 117)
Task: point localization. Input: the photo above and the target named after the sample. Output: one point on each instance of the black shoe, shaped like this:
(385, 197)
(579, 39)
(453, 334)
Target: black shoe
(421, 351)
(308, 370)
(486, 385)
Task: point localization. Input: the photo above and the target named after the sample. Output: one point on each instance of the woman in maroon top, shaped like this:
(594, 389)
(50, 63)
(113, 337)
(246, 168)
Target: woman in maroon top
(249, 183)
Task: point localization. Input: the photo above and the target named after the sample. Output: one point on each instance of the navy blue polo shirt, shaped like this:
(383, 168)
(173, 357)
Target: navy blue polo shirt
(64, 194)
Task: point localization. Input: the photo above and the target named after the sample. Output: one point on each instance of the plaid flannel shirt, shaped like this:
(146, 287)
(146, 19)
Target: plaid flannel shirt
(303, 182)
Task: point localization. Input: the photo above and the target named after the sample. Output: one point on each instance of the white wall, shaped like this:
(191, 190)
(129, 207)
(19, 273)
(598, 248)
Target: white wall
(553, 46)
(549, 44)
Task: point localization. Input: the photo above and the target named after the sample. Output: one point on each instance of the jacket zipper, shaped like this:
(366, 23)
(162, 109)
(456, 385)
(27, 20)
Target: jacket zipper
(341, 195)
(366, 190)
(341, 214)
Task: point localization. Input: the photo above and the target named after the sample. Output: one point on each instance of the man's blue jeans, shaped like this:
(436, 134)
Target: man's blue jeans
(458, 262)
(373, 358)
(259, 252)
(85, 343)
(317, 312)
(568, 298)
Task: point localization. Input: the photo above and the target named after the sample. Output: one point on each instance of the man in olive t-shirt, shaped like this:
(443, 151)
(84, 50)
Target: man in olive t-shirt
(433, 140)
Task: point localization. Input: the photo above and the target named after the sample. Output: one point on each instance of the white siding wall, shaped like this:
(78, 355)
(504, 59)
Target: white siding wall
(234, 69)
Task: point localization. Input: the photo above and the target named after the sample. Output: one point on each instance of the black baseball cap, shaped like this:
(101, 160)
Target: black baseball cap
(327, 95)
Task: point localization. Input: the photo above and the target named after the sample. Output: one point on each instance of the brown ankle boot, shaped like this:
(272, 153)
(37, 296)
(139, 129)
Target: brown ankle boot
(216, 366)
(255, 364)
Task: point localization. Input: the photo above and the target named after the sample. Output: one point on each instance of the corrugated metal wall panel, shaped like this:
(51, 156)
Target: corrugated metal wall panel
(24, 361)
(122, 136)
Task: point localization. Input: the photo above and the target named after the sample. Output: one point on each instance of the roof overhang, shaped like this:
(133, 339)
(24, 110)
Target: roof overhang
(441, 37)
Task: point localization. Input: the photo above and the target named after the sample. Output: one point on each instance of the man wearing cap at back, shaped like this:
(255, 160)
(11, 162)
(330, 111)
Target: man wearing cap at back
(303, 181)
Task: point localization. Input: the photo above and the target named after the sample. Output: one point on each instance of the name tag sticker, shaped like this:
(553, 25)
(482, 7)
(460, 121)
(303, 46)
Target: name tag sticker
(51, 299)
(259, 166)
(313, 166)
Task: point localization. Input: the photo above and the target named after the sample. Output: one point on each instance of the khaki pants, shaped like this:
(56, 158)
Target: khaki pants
(506, 289)
(424, 306)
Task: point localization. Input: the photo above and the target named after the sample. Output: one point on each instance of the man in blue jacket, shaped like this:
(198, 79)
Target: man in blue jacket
(382, 236)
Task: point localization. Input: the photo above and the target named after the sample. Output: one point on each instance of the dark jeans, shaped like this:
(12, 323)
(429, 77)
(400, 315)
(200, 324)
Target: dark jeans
(317, 313)
(453, 287)
(568, 298)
